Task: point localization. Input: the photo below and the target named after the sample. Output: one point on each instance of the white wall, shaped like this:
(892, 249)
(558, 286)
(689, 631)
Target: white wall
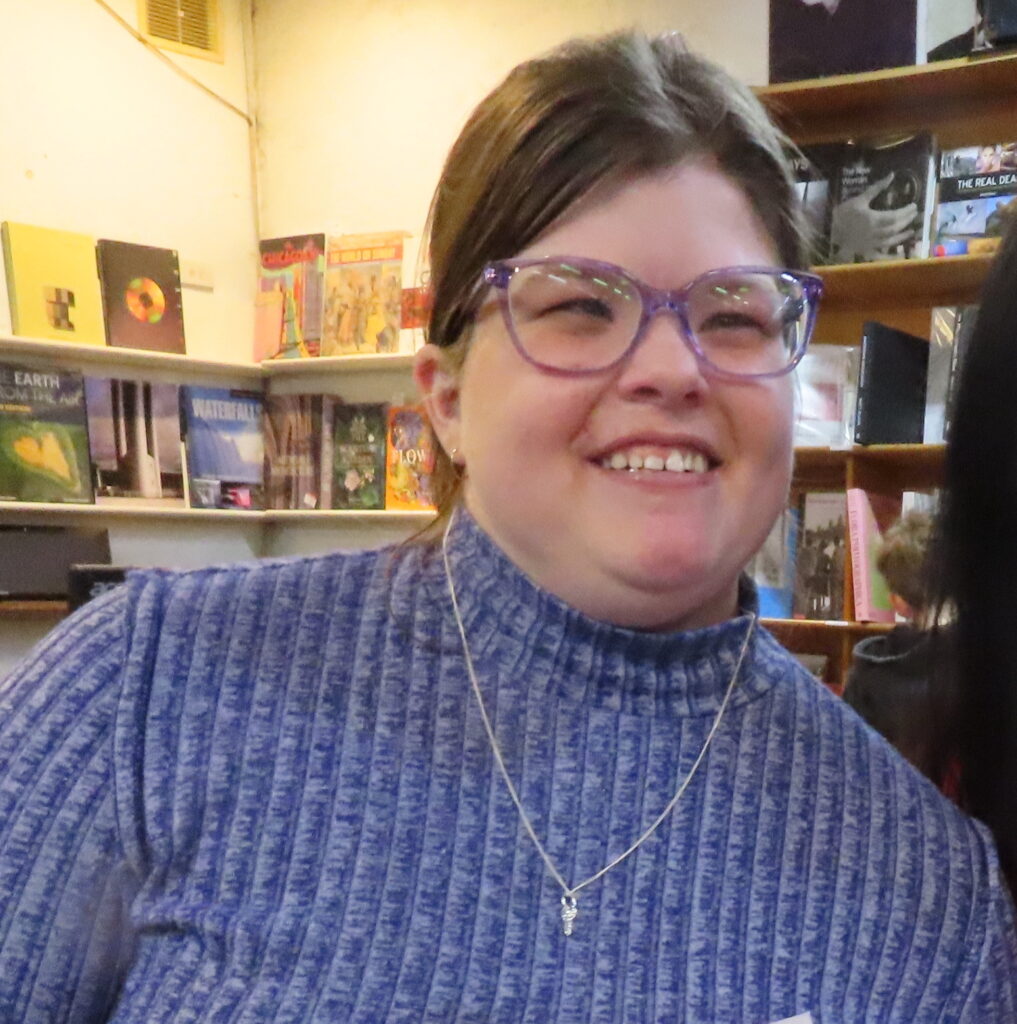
(359, 100)
(99, 136)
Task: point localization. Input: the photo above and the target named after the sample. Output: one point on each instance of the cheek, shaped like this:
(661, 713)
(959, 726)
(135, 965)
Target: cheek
(767, 425)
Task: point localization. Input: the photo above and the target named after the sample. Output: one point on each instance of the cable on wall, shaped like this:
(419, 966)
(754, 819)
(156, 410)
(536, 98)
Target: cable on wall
(172, 64)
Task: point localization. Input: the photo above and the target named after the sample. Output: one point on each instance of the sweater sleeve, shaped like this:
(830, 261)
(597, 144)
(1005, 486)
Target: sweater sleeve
(65, 881)
(992, 998)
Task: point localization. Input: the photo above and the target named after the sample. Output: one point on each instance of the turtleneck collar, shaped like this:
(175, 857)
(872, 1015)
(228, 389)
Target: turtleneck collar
(510, 621)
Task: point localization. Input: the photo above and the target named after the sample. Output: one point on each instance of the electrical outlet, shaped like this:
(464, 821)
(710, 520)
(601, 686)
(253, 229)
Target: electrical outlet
(194, 274)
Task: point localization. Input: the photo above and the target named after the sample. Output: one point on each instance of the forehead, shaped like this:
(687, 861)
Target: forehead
(666, 227)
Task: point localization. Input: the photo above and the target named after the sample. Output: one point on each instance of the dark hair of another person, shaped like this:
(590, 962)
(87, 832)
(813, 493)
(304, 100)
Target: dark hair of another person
(977, 561)
(590, 113)
(901, 558)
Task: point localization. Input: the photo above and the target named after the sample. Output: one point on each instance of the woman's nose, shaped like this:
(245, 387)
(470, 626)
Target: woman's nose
(663, 365)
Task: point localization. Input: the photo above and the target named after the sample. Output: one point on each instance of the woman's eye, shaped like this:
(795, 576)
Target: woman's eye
(585, 306)
(734, 322)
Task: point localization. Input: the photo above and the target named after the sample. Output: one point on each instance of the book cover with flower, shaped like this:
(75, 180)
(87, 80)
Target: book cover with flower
(358, 455)
(410, 460)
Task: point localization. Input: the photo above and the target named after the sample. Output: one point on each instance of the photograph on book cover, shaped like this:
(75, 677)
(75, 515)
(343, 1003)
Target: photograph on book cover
(410, 457)
(224, 449)
(134, 442)
(293, 451)
(141, 296)
(977, 198)
(292, 267)
(357, 463)
(363, 294)
(43, 435)
(818, 38)
(821, 555)
(883, 203)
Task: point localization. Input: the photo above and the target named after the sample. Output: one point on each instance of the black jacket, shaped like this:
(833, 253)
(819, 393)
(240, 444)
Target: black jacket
(891, 686)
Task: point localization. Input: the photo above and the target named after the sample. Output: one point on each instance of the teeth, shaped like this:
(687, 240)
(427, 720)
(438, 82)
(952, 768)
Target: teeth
(675, 462)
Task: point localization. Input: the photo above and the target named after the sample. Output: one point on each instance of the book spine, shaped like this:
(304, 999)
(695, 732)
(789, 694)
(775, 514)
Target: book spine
(857, 534)
(864, 373)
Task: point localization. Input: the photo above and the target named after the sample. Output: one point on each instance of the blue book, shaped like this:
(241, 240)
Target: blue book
(223, 447)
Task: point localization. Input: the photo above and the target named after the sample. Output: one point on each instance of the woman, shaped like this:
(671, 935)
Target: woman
(976, 550)
(547, 767)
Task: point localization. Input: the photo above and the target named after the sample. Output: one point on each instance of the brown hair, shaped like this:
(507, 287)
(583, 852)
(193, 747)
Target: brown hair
(902, 555)
(590, 112)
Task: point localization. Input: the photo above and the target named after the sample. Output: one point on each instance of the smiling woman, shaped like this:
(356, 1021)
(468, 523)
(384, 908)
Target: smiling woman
(545, 765)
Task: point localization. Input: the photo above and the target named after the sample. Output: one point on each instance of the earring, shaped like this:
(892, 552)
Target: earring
(453, 454)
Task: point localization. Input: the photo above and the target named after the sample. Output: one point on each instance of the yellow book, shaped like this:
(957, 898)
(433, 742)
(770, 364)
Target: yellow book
(52, 284)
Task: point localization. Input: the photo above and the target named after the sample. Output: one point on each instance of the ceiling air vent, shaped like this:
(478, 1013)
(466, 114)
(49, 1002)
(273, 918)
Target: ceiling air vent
(187, 26)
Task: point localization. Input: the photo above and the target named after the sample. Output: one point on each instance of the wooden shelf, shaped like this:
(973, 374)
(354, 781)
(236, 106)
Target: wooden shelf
(806, 627)
(963, 101)
(946, 280)
(900, 293)
(913, 467)
(36, 609)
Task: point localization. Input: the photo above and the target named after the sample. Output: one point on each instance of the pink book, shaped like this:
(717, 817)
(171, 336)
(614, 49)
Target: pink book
(869, 514)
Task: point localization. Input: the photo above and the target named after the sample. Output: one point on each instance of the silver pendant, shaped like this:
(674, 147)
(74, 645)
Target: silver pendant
(569, 910)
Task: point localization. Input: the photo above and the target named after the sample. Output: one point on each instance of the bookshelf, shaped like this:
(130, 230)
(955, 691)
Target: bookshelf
(963, 102)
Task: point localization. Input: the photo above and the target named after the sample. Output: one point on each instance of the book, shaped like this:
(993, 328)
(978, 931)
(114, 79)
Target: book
(294, 266)
(816, 168)
(869, 515)
(772, 568)
(950, 28)
(134, 441)
(893, 369)
(224, 453)
(43, 435)
(819, 565)
(141, 296)
(1000, 17)
(818, 38)
(268, 324)
(358, 463)
(363, 294)
(827, 385)
(879, 177)
(52, 284)
(977, 198)
(410, 459)
(951, 326)
(293, 451)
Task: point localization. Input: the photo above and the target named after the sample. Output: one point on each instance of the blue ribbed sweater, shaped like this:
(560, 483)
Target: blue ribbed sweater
(262, 793)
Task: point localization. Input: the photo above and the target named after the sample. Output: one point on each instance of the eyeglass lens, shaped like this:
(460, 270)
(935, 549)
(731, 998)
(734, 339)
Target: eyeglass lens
(577, 318)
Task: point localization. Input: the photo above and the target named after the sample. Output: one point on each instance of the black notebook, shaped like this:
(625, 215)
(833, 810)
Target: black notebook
(890, 408)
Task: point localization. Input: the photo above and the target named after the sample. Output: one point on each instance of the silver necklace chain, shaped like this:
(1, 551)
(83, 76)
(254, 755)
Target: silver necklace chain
(569, 900)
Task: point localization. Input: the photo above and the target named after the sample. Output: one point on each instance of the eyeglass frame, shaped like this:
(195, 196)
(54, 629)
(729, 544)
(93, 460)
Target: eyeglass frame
(498, 274)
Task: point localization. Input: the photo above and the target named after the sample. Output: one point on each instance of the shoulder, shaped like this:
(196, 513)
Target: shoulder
(917, 876)
(231, 594)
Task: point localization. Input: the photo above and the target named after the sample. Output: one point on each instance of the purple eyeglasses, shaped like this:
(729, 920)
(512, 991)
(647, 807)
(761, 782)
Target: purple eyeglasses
(574, 316)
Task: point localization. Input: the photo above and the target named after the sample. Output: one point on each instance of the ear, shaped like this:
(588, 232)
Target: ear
(438, 387)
